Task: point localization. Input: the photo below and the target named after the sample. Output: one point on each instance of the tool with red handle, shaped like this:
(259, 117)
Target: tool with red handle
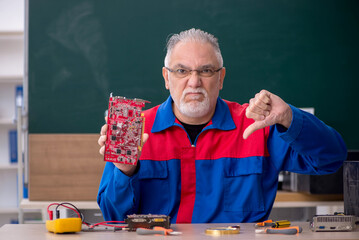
(156, 231)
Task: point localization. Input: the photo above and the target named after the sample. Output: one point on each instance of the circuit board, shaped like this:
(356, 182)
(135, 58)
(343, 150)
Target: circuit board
(147, 221)
(333, 223)
(125, 129)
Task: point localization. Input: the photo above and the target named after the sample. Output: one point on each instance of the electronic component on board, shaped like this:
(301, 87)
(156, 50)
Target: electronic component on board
(135, 221)
(332, 223)
(125, 129)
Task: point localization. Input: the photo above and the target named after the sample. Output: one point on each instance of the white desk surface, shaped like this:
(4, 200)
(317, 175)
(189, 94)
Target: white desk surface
(189, 232)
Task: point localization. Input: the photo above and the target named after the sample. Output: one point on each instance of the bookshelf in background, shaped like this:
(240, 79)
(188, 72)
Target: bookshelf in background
(12, 17)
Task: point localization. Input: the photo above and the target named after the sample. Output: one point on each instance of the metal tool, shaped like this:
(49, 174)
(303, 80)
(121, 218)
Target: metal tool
(156, 231)
(276, 224)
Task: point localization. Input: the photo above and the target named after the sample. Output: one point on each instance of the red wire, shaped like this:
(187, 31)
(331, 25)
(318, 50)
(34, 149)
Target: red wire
(86, 224)
(108, 225)
(51, 205)
(113, 222)
(48, 211)
(105, 223)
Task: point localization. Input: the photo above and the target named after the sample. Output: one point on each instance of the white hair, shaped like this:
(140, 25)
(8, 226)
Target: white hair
(193, 35)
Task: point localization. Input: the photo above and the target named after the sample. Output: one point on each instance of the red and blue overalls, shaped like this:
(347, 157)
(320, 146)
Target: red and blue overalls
(220, 177)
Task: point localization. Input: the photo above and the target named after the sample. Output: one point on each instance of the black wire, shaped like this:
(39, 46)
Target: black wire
(67, 203)
(82, 216)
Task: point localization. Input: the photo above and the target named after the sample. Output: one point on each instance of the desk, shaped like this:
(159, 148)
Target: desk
(189, 232)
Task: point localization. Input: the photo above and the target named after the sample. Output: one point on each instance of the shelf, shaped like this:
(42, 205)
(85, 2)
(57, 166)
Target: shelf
(10, 166)
(286, 199)
(9, 210)
(32, 210)
(12, 59)
(26, 204)
(7, 122)
(284, 196)
(301, 204)
(34, 222)
(15, 79)
(11, 35)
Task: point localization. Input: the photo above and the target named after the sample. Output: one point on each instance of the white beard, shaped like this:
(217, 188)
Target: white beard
(194, 108)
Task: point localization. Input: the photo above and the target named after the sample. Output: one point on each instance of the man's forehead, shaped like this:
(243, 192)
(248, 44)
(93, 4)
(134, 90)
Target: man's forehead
(193, 51)
(204, 66)
(193, 44)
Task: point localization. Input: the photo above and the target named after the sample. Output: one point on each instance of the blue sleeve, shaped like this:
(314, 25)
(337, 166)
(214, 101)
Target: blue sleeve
(308, 146)
(116, 195)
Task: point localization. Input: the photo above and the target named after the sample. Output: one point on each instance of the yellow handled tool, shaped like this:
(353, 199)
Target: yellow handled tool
(276, 224)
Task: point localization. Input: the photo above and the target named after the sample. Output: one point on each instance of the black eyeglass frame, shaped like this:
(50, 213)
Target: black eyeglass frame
(196, 70)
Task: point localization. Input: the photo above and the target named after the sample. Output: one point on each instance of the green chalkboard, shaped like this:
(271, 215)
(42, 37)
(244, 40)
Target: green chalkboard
(80, 51)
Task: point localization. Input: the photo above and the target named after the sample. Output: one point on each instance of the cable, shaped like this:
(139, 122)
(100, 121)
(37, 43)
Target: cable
(105, 223)
(75, 209)
(81, 216)
(50, 212)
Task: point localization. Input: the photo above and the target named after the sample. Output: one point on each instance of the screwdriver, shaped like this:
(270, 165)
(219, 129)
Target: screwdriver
(287, 231)
(156, 230)
(276, 224)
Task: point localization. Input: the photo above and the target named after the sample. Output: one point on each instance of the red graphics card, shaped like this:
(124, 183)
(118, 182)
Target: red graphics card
(125, 129)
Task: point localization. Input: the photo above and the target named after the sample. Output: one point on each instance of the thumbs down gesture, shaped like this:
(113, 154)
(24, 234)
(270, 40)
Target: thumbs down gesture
(267, 109)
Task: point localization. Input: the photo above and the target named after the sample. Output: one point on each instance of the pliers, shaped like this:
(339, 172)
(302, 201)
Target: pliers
(156, 231)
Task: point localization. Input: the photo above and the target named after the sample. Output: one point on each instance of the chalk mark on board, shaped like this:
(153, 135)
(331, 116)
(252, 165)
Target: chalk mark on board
(79, 30)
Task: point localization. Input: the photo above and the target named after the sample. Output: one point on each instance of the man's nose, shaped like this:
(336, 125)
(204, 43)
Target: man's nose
(194, 79)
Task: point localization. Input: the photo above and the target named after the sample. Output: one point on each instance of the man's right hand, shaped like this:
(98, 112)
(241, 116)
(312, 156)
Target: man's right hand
(127, 169)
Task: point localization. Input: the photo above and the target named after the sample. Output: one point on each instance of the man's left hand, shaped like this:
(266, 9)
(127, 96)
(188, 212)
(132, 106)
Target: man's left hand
(267, 109)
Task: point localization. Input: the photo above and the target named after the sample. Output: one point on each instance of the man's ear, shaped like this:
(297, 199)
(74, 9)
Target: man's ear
(222, 74)
(165, 77)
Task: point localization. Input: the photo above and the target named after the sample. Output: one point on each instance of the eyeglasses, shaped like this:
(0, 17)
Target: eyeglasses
(182, 72)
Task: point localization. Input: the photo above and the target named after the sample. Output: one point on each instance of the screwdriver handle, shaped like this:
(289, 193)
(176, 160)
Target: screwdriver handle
(288, 231)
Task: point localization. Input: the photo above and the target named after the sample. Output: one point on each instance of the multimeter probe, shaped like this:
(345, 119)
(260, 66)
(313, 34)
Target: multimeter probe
(56, 224)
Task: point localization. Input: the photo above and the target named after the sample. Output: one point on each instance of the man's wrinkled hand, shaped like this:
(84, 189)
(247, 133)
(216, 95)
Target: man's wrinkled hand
(267, 109)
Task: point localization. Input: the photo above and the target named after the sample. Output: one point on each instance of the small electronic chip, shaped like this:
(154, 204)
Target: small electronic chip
(125, 129)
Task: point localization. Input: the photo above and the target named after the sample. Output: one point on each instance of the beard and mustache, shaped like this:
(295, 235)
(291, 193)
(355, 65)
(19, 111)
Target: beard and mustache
(198, 106)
